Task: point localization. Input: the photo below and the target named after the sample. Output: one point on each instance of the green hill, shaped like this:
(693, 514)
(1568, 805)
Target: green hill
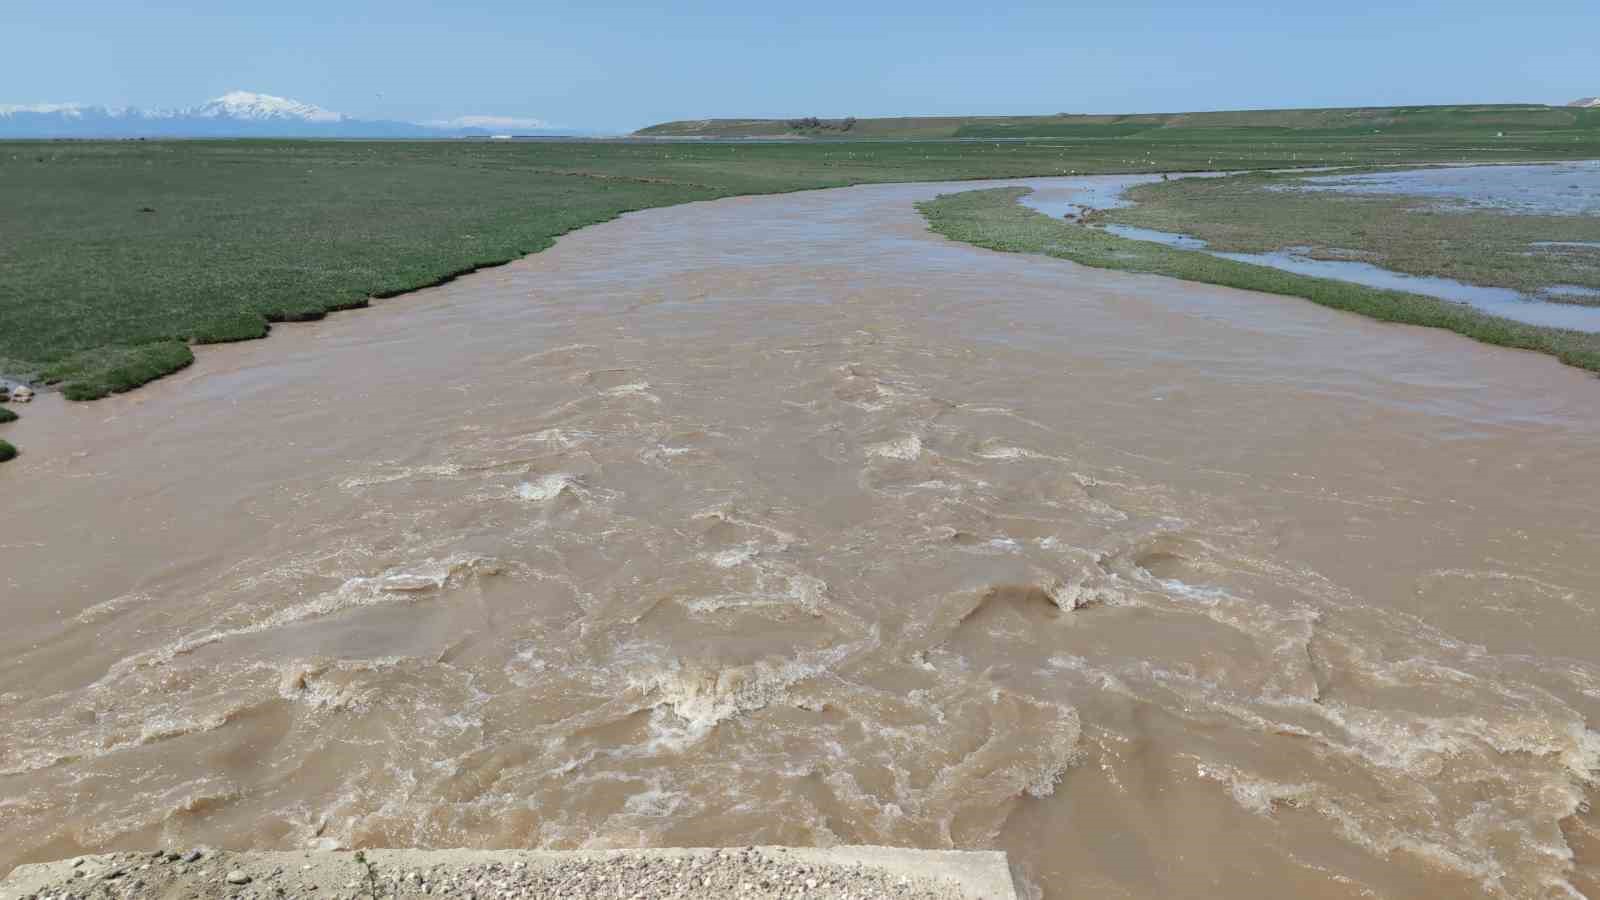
(1485, 120)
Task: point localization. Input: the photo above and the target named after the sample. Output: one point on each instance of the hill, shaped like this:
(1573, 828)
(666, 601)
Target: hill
(1318, 123)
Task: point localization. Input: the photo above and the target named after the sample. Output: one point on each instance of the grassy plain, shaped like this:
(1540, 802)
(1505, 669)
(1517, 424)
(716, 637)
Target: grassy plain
(994, 219)
(1262, 212)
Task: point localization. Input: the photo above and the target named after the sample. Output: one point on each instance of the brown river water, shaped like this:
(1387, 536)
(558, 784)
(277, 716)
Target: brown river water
(782, 520)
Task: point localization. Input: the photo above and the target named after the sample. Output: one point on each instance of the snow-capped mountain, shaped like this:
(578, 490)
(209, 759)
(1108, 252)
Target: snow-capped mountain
(261, 108)
(1587, 103)
(235, 114)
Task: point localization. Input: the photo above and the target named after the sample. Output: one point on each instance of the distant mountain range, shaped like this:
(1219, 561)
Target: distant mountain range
(238, 114)
(1586, 103)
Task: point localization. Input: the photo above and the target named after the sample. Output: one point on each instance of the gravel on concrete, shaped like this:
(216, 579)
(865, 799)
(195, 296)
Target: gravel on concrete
(750, 873)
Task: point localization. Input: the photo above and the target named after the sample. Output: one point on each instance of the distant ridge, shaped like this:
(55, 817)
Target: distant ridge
(1485, 120)
(235, 114)
(1586, 102)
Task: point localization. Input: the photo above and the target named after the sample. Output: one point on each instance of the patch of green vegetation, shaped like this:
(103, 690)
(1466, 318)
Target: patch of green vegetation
(7, 452)
(1417, 235)
(92, 374)
(6, 415)
(995, 220)
(1033, 128)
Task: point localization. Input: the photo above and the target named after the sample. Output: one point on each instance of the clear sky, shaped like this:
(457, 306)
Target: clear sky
(617, 66)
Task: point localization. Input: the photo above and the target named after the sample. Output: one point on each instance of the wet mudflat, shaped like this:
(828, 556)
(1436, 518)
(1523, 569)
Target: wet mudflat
(781, 520)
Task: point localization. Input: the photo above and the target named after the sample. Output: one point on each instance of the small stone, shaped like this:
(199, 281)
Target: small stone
(192, 856)
(238, 877)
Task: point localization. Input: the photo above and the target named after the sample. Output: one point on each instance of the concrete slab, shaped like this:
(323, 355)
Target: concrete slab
(848, 871)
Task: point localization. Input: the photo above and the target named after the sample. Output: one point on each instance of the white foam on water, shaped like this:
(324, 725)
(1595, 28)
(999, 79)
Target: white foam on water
(108, 608)
(690, 699)
(777, 585)
(907, 448)
(635, 389)
(734, 556)
(563, 438)
(358, 591)
(1003, 452)
(548, 487)
(1258, 795)
(405, 473)
(324, 684)
(655, 803)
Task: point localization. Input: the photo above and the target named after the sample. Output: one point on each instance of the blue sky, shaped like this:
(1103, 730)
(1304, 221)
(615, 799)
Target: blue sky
(615, 66)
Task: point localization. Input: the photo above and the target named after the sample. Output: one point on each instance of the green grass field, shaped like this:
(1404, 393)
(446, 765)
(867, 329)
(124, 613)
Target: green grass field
(995, 220)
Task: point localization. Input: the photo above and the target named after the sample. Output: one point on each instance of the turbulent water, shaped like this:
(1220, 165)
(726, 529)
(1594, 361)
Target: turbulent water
(781, 520)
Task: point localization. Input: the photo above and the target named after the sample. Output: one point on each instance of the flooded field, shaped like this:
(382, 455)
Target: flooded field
(1567, 189)
(780, 520)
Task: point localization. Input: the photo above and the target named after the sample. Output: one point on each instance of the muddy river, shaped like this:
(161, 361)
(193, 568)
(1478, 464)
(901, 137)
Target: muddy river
(782, 520)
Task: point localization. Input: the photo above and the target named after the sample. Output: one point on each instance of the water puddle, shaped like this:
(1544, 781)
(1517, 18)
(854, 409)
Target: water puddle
(1135, 233)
